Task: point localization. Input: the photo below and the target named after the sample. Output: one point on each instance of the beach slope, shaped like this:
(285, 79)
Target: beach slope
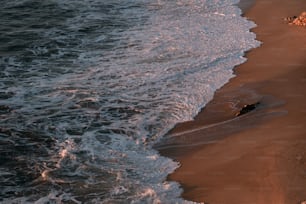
(258, 157)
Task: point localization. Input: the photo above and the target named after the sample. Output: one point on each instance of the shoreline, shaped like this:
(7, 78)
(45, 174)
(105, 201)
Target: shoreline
(245, 5)
(259, 157)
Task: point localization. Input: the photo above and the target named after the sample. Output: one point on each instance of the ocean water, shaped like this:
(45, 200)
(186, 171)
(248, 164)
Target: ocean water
(88, 87)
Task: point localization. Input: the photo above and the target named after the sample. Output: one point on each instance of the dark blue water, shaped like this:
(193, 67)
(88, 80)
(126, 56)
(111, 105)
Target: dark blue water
(88, 86)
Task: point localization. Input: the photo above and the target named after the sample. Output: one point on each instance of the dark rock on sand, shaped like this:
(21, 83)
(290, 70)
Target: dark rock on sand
(247, 108)
(290, 19)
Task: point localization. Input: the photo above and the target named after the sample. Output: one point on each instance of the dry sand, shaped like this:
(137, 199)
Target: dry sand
(260, 157)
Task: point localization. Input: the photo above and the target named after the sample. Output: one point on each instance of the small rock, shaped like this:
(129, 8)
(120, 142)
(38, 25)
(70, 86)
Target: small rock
(290, 19)
(247, 108)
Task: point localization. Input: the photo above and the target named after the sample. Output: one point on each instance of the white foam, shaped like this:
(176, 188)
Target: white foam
(108, 95)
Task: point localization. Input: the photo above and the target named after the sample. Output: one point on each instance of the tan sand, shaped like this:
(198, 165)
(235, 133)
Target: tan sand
(260, 157)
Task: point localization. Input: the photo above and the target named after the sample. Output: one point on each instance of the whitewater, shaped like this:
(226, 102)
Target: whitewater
(87, 88)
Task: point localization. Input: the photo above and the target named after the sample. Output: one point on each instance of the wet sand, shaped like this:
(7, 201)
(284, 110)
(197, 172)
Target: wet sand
(259, 157)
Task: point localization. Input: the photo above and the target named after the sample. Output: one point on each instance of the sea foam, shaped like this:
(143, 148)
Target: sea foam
(92, 85)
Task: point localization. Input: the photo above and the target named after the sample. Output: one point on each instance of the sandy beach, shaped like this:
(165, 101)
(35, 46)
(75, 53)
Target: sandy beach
(259, 157)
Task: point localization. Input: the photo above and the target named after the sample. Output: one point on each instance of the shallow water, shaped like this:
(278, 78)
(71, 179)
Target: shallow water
(88, 86)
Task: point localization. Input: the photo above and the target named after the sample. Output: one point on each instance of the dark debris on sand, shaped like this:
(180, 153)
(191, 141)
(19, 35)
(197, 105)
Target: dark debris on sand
(247, 108)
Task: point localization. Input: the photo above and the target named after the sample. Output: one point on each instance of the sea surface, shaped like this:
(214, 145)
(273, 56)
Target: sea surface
(87, 87)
